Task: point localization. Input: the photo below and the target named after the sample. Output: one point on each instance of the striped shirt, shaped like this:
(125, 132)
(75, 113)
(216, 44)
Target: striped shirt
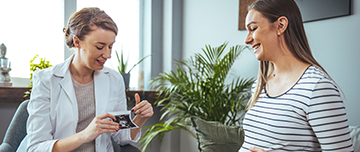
(308, 117)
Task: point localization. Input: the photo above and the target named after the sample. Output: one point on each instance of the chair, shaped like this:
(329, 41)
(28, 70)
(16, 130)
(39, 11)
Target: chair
(17, 131)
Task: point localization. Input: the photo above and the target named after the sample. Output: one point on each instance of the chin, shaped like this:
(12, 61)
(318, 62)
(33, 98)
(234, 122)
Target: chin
(260, 55)
(261, 58)
(98, 67)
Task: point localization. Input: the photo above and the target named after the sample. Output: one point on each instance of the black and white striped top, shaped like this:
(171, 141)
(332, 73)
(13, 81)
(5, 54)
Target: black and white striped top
(308, 117)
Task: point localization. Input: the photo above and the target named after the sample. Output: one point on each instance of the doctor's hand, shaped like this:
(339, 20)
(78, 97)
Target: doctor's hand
(143, 111)
(255, 149)
(98, 126)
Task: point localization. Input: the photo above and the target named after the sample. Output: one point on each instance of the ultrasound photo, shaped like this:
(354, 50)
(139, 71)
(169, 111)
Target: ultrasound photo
(124, 120)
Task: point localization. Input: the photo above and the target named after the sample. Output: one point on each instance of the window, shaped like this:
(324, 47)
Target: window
(36, 27)
(125, 13)
(29, 28)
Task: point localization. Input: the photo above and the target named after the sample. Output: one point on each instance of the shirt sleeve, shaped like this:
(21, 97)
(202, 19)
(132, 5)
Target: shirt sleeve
(39, 127)
(124, 137)
(327, 116)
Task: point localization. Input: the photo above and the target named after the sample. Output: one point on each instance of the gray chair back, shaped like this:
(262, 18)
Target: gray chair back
(16, 130)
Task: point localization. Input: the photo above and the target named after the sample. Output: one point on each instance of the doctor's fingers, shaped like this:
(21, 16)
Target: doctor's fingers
(141, 105)
(146, 111)
(106, 115)
(106, 122)
(96, 128)
(147, 114)
(106, 125)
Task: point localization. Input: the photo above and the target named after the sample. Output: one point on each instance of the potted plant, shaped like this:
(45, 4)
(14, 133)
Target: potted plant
(197, 89)
(43, 64)
(122, 68)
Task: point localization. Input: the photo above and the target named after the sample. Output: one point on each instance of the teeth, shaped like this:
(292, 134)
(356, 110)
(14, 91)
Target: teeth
(256, 47)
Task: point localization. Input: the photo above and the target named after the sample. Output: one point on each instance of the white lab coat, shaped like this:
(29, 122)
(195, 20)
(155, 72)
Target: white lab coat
(53, 110)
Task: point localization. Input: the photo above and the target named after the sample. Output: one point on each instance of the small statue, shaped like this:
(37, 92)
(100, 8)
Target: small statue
(4, 67)
(3, 50)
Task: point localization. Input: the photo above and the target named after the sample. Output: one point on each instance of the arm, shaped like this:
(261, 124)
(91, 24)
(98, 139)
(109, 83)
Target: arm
(143, 112)
(39, 126)
(97, 126)
(327, 116)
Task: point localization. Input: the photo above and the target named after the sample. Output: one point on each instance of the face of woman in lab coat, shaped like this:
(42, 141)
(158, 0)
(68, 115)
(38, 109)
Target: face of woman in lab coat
(96, 48)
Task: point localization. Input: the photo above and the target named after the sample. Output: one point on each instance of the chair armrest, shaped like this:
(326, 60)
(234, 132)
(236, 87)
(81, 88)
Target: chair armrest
(129, 148)
(125, 148)
(5, 147)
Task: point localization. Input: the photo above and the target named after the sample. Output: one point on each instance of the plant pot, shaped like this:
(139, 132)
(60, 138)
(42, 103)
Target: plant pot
(126, 77)
(215, 136)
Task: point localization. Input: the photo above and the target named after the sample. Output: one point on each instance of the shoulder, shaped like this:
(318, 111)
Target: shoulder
(314, 78)
(44, 74)
(314, 84)
(112, 72)
(315, 73)
(115, 79)
(58, 70)
(113, 75)
(323, 88)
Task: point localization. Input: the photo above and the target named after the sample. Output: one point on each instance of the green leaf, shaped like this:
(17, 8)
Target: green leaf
(43, 64)
(123, 64)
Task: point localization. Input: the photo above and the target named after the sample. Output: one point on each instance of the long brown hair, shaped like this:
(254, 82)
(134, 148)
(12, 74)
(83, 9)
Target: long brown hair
(82, 22)
(295, 38)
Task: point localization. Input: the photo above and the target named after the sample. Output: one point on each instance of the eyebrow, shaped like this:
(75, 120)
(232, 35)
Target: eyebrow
(250, 23)
(102, 43)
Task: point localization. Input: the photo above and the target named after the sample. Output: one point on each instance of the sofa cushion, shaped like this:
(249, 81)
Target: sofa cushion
(213, 136)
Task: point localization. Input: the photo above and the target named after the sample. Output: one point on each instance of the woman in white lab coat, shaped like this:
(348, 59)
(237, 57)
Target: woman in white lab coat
(69, 104)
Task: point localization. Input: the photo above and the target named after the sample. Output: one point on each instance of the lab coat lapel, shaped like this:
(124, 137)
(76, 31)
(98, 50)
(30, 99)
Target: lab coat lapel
(67, 86)
(101, 86)
(62, 71)
(67, 92)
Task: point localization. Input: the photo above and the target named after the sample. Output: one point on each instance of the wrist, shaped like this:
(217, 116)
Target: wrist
(81, 137)
(139, 121)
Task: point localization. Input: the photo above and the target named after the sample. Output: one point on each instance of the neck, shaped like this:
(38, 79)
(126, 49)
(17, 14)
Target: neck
(79, 72)
(288, 64)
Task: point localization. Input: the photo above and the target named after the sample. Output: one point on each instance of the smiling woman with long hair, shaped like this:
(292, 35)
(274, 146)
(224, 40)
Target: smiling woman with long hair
(295, 106)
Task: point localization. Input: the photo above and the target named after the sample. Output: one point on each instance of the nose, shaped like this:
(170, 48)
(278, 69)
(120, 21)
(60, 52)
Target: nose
(249, 39)
(107, 53)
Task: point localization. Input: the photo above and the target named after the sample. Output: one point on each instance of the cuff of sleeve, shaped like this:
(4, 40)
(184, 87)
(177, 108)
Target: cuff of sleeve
(43, 146)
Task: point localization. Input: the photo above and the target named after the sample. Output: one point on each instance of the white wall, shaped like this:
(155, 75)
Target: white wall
(214, 22)
(334, 43)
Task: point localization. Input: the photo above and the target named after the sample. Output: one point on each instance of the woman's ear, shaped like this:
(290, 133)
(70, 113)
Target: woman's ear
(282, 24)
(76, 41)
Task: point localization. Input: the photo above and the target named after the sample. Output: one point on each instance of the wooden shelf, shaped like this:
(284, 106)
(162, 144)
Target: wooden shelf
(12, 94)
(15, 95)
